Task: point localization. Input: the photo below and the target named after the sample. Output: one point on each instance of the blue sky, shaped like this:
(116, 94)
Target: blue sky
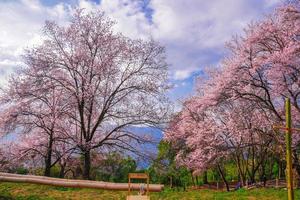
(193, 31)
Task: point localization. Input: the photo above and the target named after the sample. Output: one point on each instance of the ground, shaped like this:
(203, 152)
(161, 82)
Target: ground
(18, 191)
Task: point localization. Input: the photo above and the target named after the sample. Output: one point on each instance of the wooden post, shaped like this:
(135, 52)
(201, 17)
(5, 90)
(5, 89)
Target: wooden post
(288, 140)
(148, 185)
(129, 184)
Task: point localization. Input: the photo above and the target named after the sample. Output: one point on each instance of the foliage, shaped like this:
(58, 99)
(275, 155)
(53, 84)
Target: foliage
(21, 170)
(164, 169)
(115, 168)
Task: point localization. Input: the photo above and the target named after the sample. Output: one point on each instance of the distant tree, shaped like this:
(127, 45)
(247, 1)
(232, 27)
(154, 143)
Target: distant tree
(115, 167)
(164, 168)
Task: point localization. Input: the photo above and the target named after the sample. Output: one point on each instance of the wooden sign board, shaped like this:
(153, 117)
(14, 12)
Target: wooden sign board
(141, 196)
(138, 176)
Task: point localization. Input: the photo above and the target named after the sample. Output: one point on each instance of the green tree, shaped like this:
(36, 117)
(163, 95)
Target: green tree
(115, 167)
(164, 169)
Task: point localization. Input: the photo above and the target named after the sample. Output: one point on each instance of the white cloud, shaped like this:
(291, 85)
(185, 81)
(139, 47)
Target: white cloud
(130, 19)
(271, 3)
(193, 31)
(182, 74)
(21, 23)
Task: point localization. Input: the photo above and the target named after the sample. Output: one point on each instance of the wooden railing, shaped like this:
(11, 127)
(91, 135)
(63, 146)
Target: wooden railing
(7, 177)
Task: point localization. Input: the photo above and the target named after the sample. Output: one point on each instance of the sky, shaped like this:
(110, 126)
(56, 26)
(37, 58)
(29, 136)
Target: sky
(193, 31)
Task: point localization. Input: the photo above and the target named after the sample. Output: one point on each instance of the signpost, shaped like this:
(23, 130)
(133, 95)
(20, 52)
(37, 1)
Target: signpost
(141, 196)
(288, 140)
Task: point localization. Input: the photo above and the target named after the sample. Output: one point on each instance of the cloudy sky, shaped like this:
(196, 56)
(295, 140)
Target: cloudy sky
(193, 31)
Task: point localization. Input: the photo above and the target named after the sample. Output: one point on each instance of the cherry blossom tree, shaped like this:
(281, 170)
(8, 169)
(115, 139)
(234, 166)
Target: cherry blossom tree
(36, 112)
(208, 135)
(108, 82)
(264, 65)
(232, 114)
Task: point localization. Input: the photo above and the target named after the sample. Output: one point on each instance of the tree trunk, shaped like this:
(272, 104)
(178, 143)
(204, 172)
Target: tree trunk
(62, 171)
(48, 158)
(240, 171)
(171, 182)
(296, 164)
(252, 178)
(223, 178)
(283, 166)
(193, 179)
(263, 176)
(279, 169)
(205, 178)
(87, 165)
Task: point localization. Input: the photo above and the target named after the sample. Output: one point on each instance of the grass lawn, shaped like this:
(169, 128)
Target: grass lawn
(20, 191)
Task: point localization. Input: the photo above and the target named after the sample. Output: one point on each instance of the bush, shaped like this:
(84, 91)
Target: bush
(22, 170)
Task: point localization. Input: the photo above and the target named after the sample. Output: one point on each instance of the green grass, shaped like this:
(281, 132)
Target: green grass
(20, 191)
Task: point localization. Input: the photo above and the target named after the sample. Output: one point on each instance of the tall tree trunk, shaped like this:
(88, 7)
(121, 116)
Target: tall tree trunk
(87, 165)
(272, 162)
(193, 179)
(279, 169)
(62, 170)
(296, 163)
(283, 167)
(251, 176)
(223, 178)
(205, 178)
(48, 158)
(240, 171)
(263, 176)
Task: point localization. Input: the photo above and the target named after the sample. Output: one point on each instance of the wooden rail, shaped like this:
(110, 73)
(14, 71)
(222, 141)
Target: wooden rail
(7, 177)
